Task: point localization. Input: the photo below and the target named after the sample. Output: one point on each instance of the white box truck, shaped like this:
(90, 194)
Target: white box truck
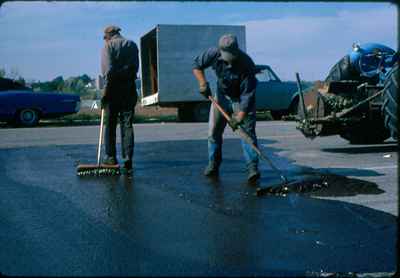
(166, 56)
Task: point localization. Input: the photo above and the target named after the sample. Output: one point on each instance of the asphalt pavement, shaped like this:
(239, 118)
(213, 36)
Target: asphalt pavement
(167, 219)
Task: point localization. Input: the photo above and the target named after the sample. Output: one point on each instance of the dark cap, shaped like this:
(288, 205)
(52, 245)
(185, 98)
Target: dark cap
(229, 47)
(112, 29)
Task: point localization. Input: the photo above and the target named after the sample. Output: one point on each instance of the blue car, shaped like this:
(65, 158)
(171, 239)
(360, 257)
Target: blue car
(279, 97)
(24, 107)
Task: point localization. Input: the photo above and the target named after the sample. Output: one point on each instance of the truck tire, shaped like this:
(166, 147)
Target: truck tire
(197, 112)
(185, 113)
(367, 133)
(201, 112)
(389, 107)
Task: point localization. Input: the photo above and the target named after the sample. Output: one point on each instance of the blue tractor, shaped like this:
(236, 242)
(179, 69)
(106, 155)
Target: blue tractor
(357, 100)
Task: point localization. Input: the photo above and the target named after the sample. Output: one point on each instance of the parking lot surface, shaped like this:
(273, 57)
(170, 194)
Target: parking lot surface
(167, 219)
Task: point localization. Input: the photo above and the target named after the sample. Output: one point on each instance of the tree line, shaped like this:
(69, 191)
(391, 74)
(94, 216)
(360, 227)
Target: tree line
(81, 85)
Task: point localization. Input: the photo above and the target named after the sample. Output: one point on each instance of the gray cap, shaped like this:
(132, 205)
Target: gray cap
(112, 29)
(229, 47)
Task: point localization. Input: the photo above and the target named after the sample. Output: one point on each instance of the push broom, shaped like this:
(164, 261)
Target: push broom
(98, 169)
(246, 137)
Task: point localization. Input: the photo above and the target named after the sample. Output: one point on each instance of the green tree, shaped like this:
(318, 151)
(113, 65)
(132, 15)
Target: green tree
(14, 73)
(21, 81)
(58, 83)
(85, 78)
(76, 85)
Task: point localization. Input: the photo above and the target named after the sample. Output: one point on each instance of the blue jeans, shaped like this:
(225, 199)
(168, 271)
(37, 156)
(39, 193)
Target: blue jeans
(216, 127)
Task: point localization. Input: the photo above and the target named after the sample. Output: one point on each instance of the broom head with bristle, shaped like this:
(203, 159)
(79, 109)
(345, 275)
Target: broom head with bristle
(98, 170)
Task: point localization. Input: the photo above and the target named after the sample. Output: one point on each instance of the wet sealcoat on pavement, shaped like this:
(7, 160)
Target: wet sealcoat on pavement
(167, 219)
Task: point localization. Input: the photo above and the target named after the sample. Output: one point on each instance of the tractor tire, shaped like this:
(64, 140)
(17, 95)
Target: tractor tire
(342, 70)
(389, 107)
(367, 133)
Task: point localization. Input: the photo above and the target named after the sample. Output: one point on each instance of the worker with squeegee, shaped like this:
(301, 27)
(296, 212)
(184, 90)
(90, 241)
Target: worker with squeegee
(235, 95)
(119, 66)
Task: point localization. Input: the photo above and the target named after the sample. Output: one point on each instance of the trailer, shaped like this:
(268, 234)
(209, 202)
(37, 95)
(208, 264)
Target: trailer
(166, 56)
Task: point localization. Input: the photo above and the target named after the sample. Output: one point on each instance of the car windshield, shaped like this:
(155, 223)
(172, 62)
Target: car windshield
(265, 75)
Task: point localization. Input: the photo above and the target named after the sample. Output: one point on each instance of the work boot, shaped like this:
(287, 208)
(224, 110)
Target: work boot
(211, 170)
(253, 174)
(127, 168)
(110, 160)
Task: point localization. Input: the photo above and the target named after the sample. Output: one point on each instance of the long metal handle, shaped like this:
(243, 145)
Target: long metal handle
(100, 138)
(248, 140)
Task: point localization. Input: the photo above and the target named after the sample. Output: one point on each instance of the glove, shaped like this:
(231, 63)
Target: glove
(205, 90)
(234, 123)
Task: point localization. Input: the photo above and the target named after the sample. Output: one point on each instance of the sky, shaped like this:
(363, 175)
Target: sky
(43, 40)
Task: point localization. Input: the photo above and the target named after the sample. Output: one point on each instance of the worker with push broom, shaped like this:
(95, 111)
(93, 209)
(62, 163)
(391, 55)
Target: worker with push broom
(119, 66)
(235, 95)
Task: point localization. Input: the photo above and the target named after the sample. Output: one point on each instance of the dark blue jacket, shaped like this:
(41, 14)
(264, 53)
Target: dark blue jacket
(237, 81)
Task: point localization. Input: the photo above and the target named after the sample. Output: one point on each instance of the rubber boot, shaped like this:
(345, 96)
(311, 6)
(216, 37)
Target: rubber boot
(127, 169)
(110, 160)
(212, 169)
(253, 173)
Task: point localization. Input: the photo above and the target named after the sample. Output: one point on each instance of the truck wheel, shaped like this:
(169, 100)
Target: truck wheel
(185, 113)
(366, 133)
(194, 112)
(28, 117)
(201, 112)
(389, 107)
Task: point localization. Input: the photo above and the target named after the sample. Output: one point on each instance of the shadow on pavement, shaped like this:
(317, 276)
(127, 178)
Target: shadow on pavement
(385, 147)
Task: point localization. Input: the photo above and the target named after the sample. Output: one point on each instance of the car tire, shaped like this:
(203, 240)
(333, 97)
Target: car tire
(389, 107)
(28, 117)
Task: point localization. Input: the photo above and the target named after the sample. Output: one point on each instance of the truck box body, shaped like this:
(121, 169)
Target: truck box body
(167, 54)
